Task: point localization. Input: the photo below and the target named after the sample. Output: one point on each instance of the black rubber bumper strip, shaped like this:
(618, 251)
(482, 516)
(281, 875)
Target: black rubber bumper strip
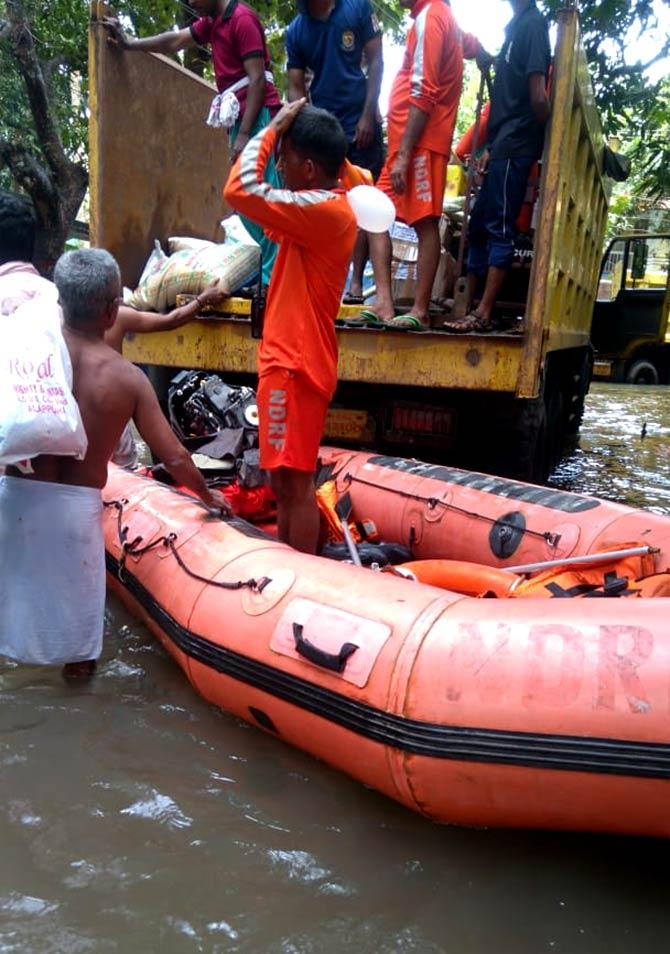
(498, 486)
(458, 743)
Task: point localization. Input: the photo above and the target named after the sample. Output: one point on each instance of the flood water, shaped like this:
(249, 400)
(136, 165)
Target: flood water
(136, 818)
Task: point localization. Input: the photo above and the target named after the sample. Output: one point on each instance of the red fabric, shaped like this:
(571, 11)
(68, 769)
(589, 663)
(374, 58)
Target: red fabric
(291, 416)
(424, 193)
(431, 76)
(233, 38)
(255, 504)
(464, 145)
(316, 231)
(251, 503)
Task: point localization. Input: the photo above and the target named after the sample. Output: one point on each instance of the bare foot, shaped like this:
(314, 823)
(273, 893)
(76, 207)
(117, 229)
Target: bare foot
(79, 673)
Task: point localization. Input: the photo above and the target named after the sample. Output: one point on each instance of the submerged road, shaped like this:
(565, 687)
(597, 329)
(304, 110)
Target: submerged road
(136, 818)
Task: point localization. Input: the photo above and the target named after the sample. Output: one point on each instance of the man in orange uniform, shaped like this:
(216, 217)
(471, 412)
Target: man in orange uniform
(297, 359)
(421, 118)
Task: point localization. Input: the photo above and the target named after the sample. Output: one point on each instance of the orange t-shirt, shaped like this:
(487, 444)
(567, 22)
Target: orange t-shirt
(316, 231)
(431, 76)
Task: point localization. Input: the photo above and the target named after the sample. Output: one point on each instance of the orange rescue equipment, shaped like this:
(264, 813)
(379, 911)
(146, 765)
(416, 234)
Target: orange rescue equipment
(459, 576)
(612, 578)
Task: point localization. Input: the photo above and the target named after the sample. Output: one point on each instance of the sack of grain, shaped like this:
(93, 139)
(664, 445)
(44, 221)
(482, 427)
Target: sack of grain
(177, 243)
(190, 271)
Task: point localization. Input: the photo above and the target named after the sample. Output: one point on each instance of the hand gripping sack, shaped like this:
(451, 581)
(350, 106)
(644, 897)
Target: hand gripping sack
(189, 271)
(38, 413)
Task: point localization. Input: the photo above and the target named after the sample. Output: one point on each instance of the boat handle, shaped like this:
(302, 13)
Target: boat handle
(333, 661)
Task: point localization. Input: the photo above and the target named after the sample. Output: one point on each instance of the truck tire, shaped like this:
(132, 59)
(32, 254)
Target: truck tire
(579, 388)
(555, 431)
(642, 372)
(526, 451)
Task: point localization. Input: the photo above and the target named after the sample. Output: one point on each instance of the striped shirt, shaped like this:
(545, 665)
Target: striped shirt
(316, 231)
(431, 76)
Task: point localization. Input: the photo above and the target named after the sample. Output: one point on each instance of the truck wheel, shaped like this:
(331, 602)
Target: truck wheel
(555, 432)
(579, 388)
(527, 450)
(642, 372)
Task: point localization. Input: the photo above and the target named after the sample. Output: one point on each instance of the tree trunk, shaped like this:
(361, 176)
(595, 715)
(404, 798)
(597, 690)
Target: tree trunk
(55, 220)
(55, 184)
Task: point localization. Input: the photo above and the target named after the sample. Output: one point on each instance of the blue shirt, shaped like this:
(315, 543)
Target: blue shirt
(332, 49)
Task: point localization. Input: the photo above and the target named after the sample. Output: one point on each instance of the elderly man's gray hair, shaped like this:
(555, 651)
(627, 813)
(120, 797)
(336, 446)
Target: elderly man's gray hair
(87, 280)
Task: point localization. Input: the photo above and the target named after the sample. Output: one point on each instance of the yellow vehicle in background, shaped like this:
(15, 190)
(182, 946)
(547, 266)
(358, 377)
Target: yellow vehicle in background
(501, 402)
(630, 317)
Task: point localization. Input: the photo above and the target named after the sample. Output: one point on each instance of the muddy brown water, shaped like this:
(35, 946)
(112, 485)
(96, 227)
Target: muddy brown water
(134, 817)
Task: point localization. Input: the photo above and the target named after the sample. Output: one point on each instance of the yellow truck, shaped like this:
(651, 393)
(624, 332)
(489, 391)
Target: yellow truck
(501, 402)
(630, 331)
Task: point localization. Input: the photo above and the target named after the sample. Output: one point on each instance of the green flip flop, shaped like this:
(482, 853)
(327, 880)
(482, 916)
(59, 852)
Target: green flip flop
(406, 323)
(365, 319)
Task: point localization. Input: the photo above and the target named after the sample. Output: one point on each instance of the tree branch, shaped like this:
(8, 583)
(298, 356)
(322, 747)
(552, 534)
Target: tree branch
(27, 172)
(49, 67)
(46, 126)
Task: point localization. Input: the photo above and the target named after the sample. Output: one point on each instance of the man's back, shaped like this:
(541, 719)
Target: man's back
(317, 231)
(106, 387)
(431, 76)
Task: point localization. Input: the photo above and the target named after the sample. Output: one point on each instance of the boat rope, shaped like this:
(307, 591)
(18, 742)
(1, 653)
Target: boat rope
(134, 548)
(433, 502)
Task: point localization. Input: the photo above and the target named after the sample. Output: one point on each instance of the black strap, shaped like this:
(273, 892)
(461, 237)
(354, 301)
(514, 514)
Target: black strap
(580, 589)
(612, 586)
(335, 662)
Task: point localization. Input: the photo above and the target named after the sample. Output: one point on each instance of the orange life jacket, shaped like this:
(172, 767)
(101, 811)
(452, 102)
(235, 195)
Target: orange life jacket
(327, 500)
(623, 577)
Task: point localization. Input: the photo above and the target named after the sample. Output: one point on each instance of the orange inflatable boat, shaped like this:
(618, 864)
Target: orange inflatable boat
(472, 685)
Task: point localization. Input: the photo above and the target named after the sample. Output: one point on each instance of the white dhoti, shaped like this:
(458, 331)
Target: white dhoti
(125, 453)
(52, 572)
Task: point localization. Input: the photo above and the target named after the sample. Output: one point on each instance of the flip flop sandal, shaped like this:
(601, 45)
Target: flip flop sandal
(353, 300)
(406, 323)
(470, 324)
(365, 319)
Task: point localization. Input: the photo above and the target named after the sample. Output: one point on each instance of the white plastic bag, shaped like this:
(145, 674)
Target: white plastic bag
(235, 231)
(38, 413)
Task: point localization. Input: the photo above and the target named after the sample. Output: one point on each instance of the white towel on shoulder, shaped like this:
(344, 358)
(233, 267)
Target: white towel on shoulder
(52, 572)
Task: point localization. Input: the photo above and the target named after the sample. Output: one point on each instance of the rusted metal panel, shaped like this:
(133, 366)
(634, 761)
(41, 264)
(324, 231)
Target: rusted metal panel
(156, 168)
(375, 357)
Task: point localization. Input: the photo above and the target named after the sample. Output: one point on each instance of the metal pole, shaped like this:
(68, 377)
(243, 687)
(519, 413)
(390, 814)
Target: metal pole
(586, 560)
(351, 546)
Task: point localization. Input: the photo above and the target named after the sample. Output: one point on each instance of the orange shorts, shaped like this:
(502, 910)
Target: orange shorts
(291, 415)
(426, 179)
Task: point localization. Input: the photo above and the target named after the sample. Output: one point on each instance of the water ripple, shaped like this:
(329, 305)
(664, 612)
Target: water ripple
(160, 808)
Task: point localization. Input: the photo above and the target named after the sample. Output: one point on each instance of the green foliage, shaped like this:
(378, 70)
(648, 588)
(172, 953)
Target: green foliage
(631, 106)
(650, 148)
(622, 93)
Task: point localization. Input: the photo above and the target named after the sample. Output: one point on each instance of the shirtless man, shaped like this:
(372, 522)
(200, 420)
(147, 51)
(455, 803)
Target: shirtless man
(52, 518)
